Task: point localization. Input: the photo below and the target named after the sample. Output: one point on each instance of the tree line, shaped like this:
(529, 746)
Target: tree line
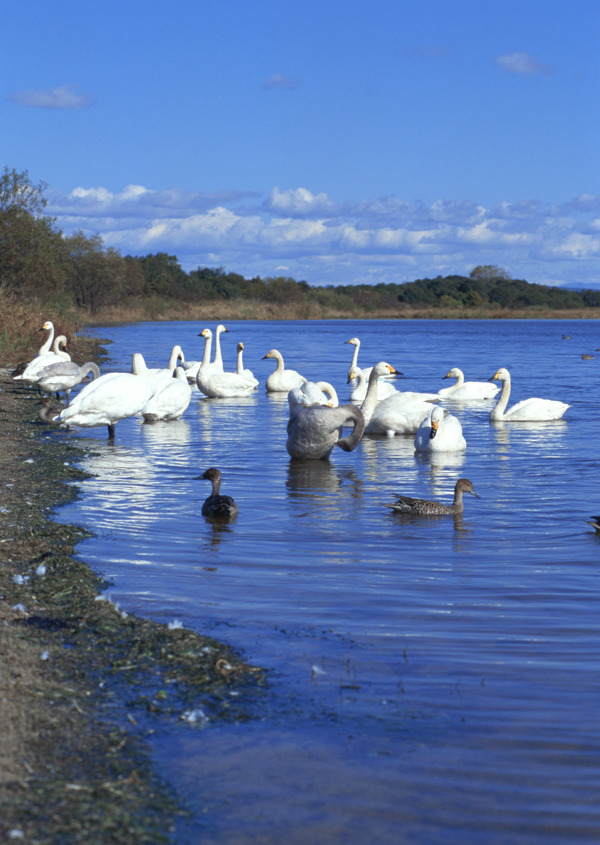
(78, 272)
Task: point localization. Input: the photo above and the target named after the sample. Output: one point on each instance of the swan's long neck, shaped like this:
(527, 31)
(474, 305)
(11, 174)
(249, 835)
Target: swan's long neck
(280, 365)
(176, 355)
(207, 348)
(218, 359)
(370, 400)
(460, 379)
(45, 347)
(500, 406)
(355, 354)
(356, 416)
(92, 368)
(240, 361)
(330, 391)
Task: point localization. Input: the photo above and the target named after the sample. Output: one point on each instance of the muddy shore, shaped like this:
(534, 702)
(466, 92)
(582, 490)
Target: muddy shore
(82, 684)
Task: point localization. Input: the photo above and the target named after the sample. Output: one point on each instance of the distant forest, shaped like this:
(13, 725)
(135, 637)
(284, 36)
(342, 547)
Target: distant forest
(79, 273)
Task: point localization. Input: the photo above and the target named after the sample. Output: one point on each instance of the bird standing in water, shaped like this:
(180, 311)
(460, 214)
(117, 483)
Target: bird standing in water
(217, 506)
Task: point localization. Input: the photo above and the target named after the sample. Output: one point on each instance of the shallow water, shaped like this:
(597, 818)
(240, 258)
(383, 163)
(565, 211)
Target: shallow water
(431, 680)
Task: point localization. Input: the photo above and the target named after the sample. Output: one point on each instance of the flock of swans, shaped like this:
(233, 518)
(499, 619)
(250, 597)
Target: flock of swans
(316, 418)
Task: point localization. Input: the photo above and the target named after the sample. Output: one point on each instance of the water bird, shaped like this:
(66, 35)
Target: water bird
(65, 376)
(401, 413)
(33, 369)
(528, 410)
(240, 369)
(49, 410)
(171, 399)
(281, 379)
(354, 364)
(595, 521)
(587, 357)
(440, 432)
(358, 393)
(427, 507)
(217, 506)
(313, 393)
(313, 430)
(464, 391)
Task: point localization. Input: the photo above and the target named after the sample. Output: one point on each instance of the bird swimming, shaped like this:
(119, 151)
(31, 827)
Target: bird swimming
(463, 391)
(528, 410)
(313, 430)
(426, 507)
(281, 380)
(440, 432)
(217, 506)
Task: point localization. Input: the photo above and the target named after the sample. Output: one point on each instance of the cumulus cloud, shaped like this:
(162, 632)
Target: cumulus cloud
(65, 97)
(522, 63)
(280, 81)
(373, 240)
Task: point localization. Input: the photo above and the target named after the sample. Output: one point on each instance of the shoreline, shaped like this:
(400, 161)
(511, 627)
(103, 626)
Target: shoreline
(83, 684)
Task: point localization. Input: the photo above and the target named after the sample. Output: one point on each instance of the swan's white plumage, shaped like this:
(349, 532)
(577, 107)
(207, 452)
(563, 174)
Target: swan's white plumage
(384, 388)
(65, 376)
(281, 379)
(440, 432)
(313, 393)
(465, 391)
(366, 371)
(240, 369)
(401, 413)
(528, 410)
(32, 371)
(224, 385)
(171, 399)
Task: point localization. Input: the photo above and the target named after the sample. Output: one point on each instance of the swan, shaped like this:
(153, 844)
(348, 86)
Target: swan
(425, 507)
(108, 399)
(281, 380)
(171, 399)
(224, 385)
(384, 388)
(65, 376)
(33, 369)
(240, 369)
(464, 391)
(313, 430)
(440, 432)
(174, 359)
(313, 393)
(401, 413)
(217, 506)
(217, 361)
(366, 371)
(47, 344)
(528, 410)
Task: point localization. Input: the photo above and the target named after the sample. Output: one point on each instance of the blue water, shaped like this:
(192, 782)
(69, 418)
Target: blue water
(430, 680)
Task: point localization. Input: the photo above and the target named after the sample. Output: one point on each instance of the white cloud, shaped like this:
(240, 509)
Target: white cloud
(522, 63)
(374, 240)
(65, 97)
(280, 81)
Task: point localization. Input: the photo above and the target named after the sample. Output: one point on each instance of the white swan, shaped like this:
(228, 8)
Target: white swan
(313, 430)
(440, 432)
(313, 393)
(240, 369)
(528, 410)
(281, 380)
(47, 344)
(174, 359)
(218, 359)
(108, 399)
(401, 413)
(464, 391)
(65, 376)
(367, 370)
(384, 388)
(32, 371)
(224, 385)
(171, 399)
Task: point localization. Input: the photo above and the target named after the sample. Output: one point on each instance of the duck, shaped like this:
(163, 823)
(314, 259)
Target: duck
(440, 432)
(240, 369)
(314, 430)
(463, 391)
(528, 410)
(217, 506)
(171, 400)
(281, 380)
(108, 399)
(426, 507)
(49, 410)
(401, 413)
(358, 393)
(595, 521)
(34, 368)
(65, 376)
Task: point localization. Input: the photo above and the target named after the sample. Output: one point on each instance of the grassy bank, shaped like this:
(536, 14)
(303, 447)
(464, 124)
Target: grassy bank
(83, 684)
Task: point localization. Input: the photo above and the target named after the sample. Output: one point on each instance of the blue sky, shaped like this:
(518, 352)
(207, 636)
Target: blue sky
(336, 141)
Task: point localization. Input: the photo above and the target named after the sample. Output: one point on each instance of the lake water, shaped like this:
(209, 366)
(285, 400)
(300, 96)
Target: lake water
(431, 681)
